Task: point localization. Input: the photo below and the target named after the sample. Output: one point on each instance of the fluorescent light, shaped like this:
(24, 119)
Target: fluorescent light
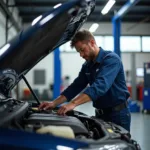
(93, 27)
(4, 49)
(108, 6)
(58, 5)
(47, 18)
(36, 20)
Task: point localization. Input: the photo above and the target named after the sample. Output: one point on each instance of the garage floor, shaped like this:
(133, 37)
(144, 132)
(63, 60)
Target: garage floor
(140, 129)
(140, 125)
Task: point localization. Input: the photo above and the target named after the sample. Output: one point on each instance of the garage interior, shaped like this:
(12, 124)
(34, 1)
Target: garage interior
(133, 33)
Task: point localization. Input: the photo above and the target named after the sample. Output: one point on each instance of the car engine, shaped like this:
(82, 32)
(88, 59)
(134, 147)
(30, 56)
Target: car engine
(24, 116)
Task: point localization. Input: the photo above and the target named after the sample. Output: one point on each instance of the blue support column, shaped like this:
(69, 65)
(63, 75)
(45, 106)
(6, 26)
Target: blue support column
(116, 34)
(57, 73)
(117, 22)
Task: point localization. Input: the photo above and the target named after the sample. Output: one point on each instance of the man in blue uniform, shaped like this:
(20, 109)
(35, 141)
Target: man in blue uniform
(101, 80)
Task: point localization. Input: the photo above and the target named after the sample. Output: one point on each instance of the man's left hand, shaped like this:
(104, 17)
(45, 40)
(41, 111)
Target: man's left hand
(65, 108)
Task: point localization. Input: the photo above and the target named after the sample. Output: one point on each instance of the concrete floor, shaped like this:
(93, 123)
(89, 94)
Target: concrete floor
(140, 125)
(140, 129)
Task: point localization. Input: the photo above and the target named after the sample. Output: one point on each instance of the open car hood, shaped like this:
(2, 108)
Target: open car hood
(46, 33)
(52, 29)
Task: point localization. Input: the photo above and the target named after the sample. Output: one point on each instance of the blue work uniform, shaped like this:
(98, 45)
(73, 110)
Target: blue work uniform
(103, 81)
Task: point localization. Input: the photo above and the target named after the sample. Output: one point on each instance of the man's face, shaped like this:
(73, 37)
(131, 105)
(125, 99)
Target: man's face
(86, 50)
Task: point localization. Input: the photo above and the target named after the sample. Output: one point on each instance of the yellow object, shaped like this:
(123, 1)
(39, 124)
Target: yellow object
(35, 108)
(62, 131)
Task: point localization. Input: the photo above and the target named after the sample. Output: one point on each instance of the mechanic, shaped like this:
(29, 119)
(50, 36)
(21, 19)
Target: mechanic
(101, 80)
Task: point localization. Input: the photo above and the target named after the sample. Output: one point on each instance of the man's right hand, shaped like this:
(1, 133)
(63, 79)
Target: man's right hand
(47, 106)
(51, 105)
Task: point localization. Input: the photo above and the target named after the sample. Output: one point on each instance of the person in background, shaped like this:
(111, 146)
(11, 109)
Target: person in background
(103, 72)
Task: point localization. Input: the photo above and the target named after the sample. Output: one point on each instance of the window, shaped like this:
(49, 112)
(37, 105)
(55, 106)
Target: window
(130, 44)
(127, 44)
(146, 44)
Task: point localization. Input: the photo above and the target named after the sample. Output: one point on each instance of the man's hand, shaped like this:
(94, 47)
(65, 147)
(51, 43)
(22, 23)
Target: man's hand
(81, 99)
(47, 106)
(51, 105)
(65, 108)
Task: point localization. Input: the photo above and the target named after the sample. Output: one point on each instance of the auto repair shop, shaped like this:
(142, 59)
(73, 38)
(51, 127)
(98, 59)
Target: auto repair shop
(37, 64)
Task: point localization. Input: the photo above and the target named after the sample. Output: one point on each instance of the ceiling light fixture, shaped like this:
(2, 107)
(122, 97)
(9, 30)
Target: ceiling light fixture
(93, 27)
(108, 6)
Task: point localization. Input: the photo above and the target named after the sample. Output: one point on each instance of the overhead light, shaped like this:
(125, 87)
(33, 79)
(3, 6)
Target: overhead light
(108, 6)
(58, 5)
(93, 27)
(36, 20)
(4, 49)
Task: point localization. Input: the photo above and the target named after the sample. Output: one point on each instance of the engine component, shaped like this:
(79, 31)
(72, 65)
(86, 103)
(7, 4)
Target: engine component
(54, 119)
(11, 110)
(61, 131)
(8, 78)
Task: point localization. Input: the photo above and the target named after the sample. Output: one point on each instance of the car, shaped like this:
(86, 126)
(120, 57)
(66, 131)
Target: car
(22, 125)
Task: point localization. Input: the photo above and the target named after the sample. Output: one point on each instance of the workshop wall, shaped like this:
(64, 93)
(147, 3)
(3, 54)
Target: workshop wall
(71, 64)
(126, 28)
(48, 66)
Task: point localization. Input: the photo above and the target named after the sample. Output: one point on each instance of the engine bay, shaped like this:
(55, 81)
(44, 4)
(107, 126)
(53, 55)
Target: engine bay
(24, 116)
(20, 115)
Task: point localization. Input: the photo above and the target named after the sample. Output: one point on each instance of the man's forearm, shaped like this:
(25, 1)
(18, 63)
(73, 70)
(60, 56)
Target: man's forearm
(61, 99)
(81, 99)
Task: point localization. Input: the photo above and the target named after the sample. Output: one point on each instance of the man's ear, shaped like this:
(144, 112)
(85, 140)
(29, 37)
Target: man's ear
(92, 42)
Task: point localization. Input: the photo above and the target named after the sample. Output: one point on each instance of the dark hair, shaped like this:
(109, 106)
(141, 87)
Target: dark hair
(82, 35)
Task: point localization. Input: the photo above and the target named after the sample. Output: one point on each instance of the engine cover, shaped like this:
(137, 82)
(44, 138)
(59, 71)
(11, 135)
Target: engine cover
(57, 120)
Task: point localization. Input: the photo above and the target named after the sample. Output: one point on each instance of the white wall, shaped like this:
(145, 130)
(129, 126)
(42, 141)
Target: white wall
(71, 64)
(46, 64)
(126, 59)
(141, 58)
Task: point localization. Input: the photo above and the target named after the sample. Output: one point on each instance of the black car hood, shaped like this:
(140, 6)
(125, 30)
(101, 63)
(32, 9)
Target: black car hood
(52, 30)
